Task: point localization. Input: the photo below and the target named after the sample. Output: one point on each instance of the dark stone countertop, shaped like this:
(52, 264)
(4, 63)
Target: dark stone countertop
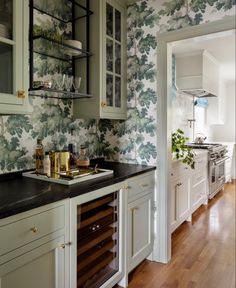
(19, 194)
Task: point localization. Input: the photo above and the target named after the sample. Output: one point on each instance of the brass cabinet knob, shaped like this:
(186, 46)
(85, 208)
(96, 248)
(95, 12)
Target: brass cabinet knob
(103, 104)
(63, 245)
(21, 94)
(34, 229)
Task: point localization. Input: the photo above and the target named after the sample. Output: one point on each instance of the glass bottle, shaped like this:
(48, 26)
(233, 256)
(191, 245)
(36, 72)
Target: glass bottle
(72, 147)
(47, 165)
(83, 160)
(39, 153)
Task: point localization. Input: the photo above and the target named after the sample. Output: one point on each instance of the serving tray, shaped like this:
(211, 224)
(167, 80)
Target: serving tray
(65, 180)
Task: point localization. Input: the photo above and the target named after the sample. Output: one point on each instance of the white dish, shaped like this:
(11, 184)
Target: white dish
(75, 44)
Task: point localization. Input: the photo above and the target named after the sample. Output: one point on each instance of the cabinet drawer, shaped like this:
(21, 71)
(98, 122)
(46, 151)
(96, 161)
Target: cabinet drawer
(199, 191)
(179, 170)
(201, 162)
(26, 230)
(199, 176)
(140, 185)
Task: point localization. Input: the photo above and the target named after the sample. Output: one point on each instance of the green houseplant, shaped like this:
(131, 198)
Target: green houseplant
(180, 150)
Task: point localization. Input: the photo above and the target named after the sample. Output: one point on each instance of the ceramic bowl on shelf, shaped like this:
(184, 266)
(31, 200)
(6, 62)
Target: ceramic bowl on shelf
(75, 44)
(4, 31)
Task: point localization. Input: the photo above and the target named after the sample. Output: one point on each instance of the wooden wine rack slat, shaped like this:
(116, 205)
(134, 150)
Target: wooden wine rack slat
(96, 217)
(94, 253)
(94, 204)
(92, 241)
(96, 266)
(95, 227)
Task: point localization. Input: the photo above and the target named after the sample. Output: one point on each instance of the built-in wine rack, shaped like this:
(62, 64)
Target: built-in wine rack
(97, 241)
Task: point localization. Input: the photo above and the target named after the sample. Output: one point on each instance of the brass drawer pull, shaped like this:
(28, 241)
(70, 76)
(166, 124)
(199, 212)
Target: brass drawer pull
(144, 185)
(63, 245)
(34, 229)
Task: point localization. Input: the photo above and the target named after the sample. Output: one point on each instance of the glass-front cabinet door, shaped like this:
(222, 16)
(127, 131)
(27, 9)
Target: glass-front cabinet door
(13, 56)
(115, 64)
(96, 239)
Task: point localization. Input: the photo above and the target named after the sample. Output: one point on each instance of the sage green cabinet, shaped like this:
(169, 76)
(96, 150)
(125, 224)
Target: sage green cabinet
(107, 75)
(14, 73)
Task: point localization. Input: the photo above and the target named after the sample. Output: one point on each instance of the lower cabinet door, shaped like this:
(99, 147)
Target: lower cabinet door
(140, 230)
(199, 194)
(180, 202)
(43, 267)
(183, 198)
(173, 214)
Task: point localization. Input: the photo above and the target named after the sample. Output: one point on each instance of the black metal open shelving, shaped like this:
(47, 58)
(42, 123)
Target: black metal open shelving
(56, 49)
(47, 10)
(43, 45)
(57, 94)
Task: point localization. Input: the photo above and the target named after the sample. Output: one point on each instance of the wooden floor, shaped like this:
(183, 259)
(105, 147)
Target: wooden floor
(203, 252)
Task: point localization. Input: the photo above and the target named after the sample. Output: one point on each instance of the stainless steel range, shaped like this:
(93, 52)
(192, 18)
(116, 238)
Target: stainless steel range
(216, 163)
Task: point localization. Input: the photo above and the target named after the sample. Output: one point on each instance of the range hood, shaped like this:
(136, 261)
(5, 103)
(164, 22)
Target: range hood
(197, 74)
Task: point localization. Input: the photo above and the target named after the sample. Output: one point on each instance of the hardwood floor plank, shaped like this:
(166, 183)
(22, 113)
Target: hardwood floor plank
(203, 252)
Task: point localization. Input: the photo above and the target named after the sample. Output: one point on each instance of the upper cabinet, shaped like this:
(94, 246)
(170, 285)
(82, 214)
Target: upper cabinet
(54, 44)
(14, 57)
(107, 73)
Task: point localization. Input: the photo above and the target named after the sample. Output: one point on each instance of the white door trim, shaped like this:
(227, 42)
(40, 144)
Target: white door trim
(162, 250)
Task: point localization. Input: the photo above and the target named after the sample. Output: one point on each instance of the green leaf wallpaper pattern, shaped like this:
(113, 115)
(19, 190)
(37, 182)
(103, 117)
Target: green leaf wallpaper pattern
(133, 140)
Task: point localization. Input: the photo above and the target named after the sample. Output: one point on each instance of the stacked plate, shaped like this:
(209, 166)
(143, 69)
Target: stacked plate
(4, 32)
(74, 44)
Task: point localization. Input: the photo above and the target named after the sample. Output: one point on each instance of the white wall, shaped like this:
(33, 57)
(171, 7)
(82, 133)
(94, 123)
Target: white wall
(182, 110)
(226, 131)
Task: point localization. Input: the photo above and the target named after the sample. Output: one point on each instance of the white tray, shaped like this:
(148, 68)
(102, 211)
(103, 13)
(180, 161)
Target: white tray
(64, 181)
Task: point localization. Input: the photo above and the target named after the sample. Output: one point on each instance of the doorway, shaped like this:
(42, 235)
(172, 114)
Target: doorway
(162, 249)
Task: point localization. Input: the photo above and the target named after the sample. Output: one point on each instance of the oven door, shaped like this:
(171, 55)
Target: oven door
(217, 176)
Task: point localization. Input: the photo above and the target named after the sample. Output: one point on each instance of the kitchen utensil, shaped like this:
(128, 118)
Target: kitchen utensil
(200, 139)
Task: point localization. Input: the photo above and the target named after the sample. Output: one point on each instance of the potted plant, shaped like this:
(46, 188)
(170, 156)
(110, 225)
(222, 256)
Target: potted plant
(180, 150)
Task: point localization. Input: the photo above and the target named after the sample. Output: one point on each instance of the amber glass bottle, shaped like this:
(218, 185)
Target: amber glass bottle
(39, 156)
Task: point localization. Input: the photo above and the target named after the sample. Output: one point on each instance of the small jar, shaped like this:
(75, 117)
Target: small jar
(83, 160)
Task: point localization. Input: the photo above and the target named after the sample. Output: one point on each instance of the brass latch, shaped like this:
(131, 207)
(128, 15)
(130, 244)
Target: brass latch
(21, 94)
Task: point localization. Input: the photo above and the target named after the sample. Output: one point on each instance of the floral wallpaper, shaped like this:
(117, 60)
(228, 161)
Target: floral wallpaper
(133, 140)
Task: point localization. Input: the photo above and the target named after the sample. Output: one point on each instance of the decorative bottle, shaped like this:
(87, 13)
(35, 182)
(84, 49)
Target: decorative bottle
(72, 147)
(39, 153)
(47, 165)
(83, 160)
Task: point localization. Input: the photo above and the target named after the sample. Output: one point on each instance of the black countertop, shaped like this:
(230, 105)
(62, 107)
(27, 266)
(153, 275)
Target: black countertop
(19, 194)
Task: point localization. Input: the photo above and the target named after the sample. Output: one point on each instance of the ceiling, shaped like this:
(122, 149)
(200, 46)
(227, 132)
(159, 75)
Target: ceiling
(220, 45)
